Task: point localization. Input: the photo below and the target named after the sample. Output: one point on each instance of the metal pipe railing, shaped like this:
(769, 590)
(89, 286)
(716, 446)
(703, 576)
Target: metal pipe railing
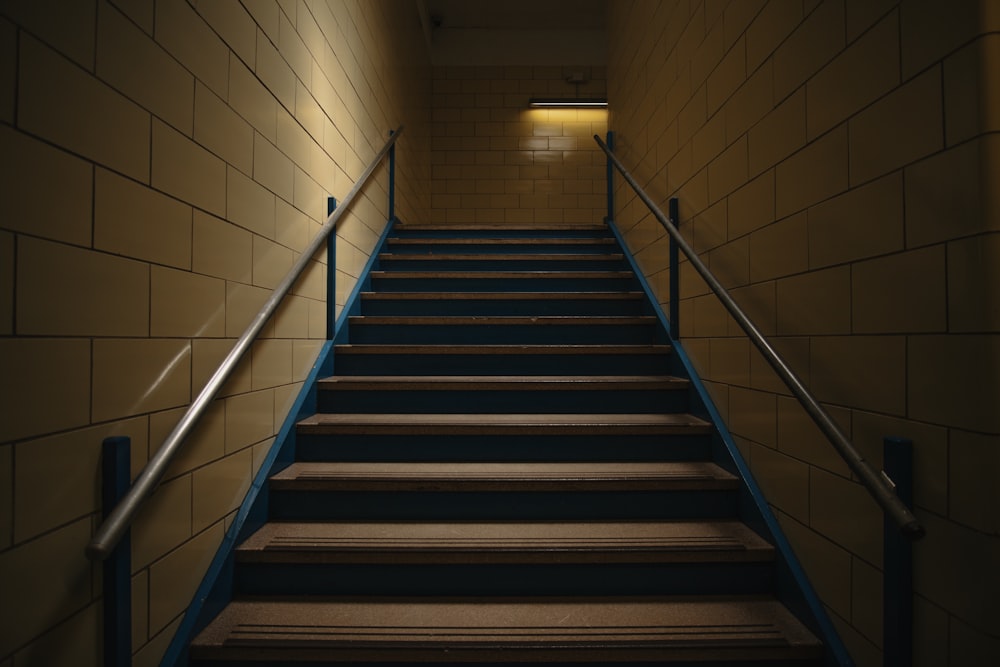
(878, 485)
(121, 517)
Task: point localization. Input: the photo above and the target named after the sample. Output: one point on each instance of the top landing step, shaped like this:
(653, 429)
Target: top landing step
(503, 228)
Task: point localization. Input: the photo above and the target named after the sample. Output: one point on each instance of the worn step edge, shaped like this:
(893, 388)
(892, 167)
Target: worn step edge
(485, 226)
(515, 477)
(509, 257)
(507, 275)
(502, 320)
(505, 542)
(490, 629)
(502, 424)
(502, 296)
(503, 349)
(502, 383)
(500, 240)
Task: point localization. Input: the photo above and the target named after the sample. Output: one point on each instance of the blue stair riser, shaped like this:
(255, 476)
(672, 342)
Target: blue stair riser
(585, 363)
(384, 281)
(510, 448)
(504, 579)
(286, 505)
(445, 306)
(490, 401)
(501, 263)
(505, 334)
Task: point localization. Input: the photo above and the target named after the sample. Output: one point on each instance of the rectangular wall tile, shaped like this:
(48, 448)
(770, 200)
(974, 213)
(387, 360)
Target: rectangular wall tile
(784, 479)
(149, 75)
(817, 172)
(973, 297)
(899, 129)
(864, 372)
(7, 499)
(51, 578)
(164, 237)
(779, 249)
(221, 249)
(186, 305)
(219, 487)
(7, 269)
(174, 580)
(903, 293)
(193, 43)
(862, 222)
(815, 303)
(40, 506)
(134, 376)
(27, 199)
(272, 168)
(250, 99)
(187, 171)
(51, 372)
(221, 130)
(64, 290)
(101, 124)
(249, 419)
(955, 361)
(942, 201)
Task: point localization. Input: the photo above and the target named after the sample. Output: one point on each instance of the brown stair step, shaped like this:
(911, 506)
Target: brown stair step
(485, 226)
(504, 382)
(509, 275)
(514, 477)
(499, 296)
(500, 240)
(502, 424)
(506, 542)
(513, 257)
(504, 629)
(504, 349)
(504, 320)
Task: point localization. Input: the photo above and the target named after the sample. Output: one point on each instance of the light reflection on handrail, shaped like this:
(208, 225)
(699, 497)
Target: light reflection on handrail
(121, 517)
(878, 485)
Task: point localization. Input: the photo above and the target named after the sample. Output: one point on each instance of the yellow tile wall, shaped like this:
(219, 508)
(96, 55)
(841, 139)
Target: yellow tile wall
(495, 160)
(835, 162)
(163, 165)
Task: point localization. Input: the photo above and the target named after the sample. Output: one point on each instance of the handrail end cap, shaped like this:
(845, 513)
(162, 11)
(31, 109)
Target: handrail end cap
(913, 530)
(97, 552)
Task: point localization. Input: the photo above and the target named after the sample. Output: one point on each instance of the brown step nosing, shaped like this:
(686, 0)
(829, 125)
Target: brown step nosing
(487, 226)
(502, 349)
(512, 257)
(500, 240)
(505, 542)
(503, 382)
(509, 275)
(503, 320)
(501, 424)
(541, 477)
(499, 296)
(622, 629)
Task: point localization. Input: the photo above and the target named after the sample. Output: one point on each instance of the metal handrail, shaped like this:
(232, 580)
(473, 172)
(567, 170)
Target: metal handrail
(878, 485)
(121, 517)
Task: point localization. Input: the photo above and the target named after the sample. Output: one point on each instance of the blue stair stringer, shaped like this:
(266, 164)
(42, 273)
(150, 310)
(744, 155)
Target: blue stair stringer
(786, 578)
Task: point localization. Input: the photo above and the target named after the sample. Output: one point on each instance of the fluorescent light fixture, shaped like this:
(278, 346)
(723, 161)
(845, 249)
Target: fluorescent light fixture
(568, 102)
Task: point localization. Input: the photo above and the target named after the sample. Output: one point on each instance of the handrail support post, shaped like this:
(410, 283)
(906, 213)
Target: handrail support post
(675, 272)
(897, 578)
(117, 568)
(331, 273)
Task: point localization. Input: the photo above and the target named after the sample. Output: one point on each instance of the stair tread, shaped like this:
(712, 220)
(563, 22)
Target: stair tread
(498, 296)
(498, 424)
(486, 226)
(508, 476)
(383, 629)
(378, 348)
(501, 320)
(512, 275)
(500, 240)
(509, 382)
(513, 257)
(600, 541)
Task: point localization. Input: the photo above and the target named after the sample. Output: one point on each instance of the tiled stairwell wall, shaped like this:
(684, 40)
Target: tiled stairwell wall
(836, 164)
(163, 165)
(494, 160)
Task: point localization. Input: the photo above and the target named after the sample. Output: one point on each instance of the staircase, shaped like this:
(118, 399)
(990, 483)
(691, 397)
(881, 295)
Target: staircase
(506, 467)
